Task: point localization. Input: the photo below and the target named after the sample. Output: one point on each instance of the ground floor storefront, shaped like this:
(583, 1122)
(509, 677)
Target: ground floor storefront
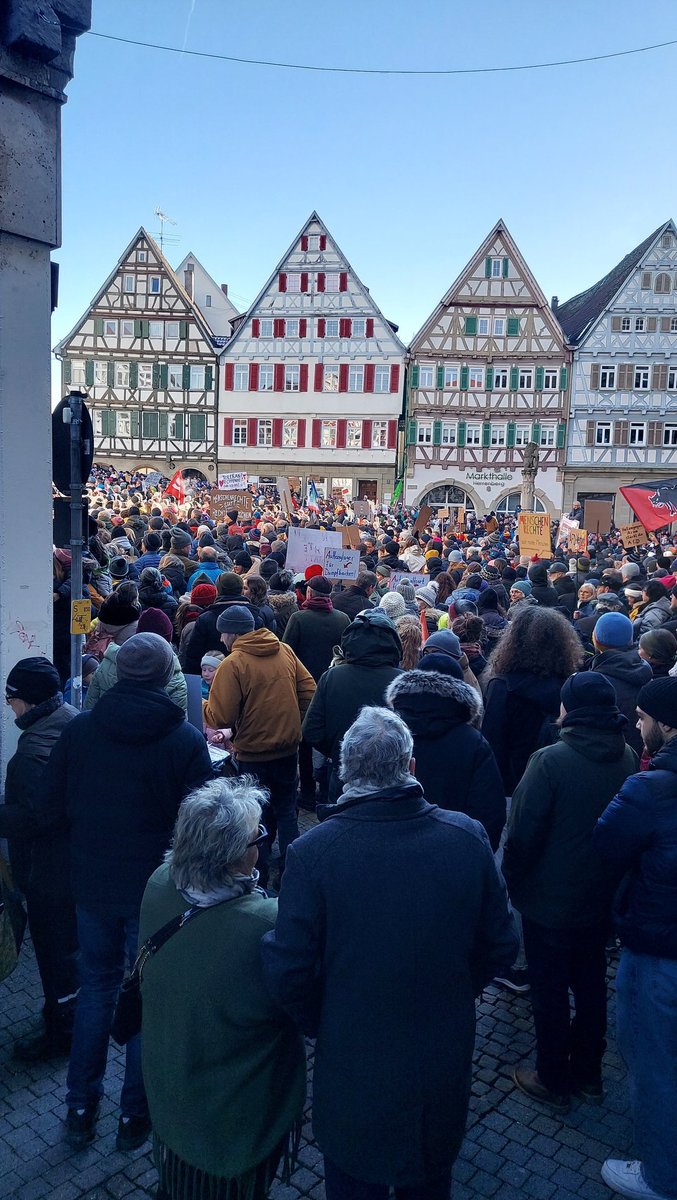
(481, 489)
(599, 484)
(341, 481)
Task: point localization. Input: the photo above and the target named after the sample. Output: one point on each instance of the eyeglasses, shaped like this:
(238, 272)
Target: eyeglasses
(258, 841)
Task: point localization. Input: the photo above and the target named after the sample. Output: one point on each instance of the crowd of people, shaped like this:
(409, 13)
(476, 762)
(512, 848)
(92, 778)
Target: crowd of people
(489, 745)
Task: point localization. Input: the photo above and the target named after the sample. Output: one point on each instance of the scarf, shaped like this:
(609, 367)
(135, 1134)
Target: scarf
(240, 885)
(319, 604)
(45, 709)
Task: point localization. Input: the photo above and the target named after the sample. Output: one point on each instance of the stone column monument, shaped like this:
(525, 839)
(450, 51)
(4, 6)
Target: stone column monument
(529, 473)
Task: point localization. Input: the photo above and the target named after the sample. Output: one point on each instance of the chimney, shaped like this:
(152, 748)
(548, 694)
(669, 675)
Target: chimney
(554, 303)
(224, 288)
(188, 281)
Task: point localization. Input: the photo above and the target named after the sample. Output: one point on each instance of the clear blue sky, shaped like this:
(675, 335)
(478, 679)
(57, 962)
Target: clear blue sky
(408, 173)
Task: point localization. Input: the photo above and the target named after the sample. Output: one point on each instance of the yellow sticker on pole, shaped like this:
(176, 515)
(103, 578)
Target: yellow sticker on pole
(81, 616)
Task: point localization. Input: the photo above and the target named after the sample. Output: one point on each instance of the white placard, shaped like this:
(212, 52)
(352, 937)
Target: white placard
(416, 579)
(233, 481)
(341, 564)
(305, 547)
(565, 527)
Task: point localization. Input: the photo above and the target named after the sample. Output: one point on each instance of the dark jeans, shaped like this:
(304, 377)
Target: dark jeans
(568, 1050)
(339, 1186)
(105, 943)
(278, 775)
(306, 777)
(51, 920)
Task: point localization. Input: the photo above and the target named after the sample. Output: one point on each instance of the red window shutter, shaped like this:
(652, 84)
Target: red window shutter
(253, 377)
(282, 281)
(349, 327)
(370, 326)
(341, 434)
(304, 242)
(278, 327)
(227, 431)
(320, 281)
(369, 377)
(392, 435)
(343, 281)
(319, 377)
(303, 327)
(304, 281)
(301, 435)
(321, 326)
(230, 377)
(277, 431)
(303, 377)
(394, 379)
(252, 431)
(317, 434)
(323, 241)
(278, 377)
(343, 377)
(256, 327)
(344, 327)
(366, 434)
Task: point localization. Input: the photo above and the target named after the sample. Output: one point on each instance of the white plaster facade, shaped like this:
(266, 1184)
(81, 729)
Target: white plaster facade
(211, 298)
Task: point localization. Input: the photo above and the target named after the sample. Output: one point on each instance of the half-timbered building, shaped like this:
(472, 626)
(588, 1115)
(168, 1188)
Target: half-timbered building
(149, 360)
(488, 374)
(623, 415)
(313, 377)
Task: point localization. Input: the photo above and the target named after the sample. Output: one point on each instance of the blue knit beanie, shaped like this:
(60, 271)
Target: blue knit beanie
(613, 631)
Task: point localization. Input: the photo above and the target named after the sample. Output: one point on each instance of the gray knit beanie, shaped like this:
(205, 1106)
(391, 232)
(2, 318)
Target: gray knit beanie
(235, 618)
(146, 658)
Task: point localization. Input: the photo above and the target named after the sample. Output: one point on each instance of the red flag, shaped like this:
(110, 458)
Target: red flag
(176, 487)
(655, 504)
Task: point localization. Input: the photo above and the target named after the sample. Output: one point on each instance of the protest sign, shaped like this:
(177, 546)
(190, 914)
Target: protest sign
(306, 547)
(534, 534)
(222, 502)
(597, 516)
(424, 515)
(565, 527)
(411, 577)
(152, 480)
(233, 481)
(285, 495)
(361, 508)
(294, 483)
(341, 564)
(350, 537)
(633, 535)
(578, 541)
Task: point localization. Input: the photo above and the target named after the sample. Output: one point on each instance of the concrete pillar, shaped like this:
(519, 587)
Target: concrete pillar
(37, 43)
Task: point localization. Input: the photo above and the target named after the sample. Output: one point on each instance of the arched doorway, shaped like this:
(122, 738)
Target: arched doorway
(445, 495)
(509, 503)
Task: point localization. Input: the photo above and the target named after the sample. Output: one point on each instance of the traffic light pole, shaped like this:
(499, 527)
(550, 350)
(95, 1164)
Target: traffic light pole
(76, 489)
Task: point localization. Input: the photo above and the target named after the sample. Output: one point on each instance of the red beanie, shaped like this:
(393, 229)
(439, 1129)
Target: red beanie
(312, 571)
(203, 594)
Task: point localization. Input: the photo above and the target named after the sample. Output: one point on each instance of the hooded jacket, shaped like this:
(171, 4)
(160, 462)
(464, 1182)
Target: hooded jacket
(637, 837)
(371, 651)
(145, 757)
(284, 605)
(454, 763)
(566, 592)
(261, 691)
(150, 597)
(206, 636)
(552, 872)
(106, 675)
(628, 673)
(519, 709)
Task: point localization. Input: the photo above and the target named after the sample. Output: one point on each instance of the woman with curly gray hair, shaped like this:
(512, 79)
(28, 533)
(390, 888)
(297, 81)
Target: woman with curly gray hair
(224, 1069)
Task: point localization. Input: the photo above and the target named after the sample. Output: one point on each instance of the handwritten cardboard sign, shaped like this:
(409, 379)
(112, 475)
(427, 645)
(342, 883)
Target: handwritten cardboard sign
(284, 492)
(534, 534)
(633, 535)
(306, 547)
(233, 481)
(221, 502)
(350, 537)
(341, 564)
(81, 616)
(577, 541)
(414, 578)
(424, 515)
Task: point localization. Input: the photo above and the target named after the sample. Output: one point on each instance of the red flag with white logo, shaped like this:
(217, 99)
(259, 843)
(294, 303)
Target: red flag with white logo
(176, 487)
(655, 504)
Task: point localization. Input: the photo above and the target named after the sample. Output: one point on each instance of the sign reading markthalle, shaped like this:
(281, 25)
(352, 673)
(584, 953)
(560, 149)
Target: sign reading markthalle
(220, 503)
(534, 534)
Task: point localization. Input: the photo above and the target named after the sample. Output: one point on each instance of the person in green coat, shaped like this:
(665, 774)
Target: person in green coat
(152, 620)
(224, 1067)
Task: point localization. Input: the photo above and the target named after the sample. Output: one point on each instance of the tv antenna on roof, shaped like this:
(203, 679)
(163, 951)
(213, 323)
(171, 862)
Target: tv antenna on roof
(165, 238)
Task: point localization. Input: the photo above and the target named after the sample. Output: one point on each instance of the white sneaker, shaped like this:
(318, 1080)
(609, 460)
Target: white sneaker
(627, 1179)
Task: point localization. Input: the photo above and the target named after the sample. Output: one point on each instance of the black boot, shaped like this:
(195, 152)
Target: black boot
(45, 1042)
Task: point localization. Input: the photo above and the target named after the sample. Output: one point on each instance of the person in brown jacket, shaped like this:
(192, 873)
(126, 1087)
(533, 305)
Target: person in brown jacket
(262, 691)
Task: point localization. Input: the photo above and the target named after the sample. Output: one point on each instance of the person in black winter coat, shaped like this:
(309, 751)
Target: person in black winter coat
(205, 636)
(541, 590)
(152, 594)
(355, 598)
(564, 585)
(617, 658)
(119, 821)
(455, 765)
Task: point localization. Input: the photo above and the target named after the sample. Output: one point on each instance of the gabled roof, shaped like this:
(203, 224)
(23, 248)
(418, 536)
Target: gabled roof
(140, 233)
(314, 217)
(578, 314)
(218, 290)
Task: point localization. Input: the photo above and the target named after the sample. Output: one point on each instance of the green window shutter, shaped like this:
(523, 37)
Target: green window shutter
(134, 423)
(98, 326)
(197, 427)
(460, 433)
(510, 434)
(414, 376)
(411, 433)
(178, 425)
(464, 379)
(67, 369)
(89, 373)
(539, 379)
(109, 423)
(156, 376)
(486, 433)
(437, 433)
(145, 329)
(110, 374)
(489, 379)
(471, 325)
(487, 268)
(506, 267)
(133, 374)
(561, 435)
(138, 329)
(536, 433)
(164, 425)
(186, 378)
(183, 330)
(563, 377)
(513, 326)
(209, 379)
(514, 379)
(440, 377)
(164, 376)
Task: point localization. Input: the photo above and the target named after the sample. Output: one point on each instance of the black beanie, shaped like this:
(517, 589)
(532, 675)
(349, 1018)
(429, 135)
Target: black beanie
(33, 680)
(588, 689)
(658, 699)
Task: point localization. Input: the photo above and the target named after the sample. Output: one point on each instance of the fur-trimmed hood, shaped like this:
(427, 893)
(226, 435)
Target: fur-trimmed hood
(430, 702)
